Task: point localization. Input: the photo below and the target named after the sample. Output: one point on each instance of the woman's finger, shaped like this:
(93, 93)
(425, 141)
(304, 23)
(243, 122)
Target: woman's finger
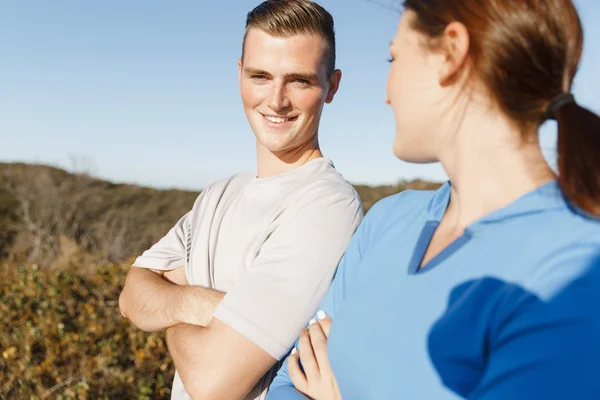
(296, 375)
(319, 344)
(307, 358)
(324, 321)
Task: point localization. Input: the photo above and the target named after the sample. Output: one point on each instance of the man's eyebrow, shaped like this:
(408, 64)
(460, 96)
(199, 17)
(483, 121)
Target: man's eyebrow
(307, 76)
(254, 71)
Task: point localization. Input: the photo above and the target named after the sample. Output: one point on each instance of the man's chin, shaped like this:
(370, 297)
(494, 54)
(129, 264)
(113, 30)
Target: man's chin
(275, 141)
(274, 148)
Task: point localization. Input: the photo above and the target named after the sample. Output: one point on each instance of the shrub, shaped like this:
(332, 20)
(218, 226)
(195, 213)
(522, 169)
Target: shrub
(64, 338)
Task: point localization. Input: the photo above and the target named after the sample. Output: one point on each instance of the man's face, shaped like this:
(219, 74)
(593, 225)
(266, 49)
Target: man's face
(284, 84)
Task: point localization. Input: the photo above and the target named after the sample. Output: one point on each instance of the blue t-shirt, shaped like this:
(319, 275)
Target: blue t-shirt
(510, 310)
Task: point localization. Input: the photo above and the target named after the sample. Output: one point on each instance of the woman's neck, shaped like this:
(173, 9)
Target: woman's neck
(490, 165)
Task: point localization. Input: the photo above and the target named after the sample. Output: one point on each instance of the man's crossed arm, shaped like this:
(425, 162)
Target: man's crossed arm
(223, 344)
(157, 300)
(214, 361)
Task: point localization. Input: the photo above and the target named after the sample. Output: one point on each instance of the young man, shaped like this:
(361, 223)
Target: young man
(240, 274)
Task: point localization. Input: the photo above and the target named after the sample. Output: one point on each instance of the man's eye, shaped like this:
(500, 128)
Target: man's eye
(303, 81)
(258, 77)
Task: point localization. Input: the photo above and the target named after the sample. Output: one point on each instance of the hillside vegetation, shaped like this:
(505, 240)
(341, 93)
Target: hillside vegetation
(66, 243)
(48, 215)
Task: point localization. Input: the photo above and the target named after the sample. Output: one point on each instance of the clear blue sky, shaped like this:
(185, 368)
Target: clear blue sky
(147, 90)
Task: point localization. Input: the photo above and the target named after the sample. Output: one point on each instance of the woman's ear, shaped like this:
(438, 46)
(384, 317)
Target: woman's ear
(455, 45)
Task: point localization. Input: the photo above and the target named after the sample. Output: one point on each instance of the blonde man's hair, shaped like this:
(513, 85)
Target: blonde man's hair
(284, 18)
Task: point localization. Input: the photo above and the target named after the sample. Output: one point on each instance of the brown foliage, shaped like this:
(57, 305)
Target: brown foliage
(63, 337)
(45, 212)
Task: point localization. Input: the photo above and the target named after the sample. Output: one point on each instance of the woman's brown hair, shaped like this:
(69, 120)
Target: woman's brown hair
(527, 52)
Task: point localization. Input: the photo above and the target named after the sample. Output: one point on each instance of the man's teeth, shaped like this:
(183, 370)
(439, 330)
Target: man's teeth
(276, 120)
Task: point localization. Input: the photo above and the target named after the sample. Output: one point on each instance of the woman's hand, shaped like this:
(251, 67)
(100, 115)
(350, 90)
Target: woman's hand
(317, 381)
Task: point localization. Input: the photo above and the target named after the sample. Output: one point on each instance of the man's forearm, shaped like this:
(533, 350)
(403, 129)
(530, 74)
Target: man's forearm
(154, 304)
(230, 365)
(181, 342)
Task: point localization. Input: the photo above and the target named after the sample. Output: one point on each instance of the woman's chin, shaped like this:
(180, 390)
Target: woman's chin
(413, 155)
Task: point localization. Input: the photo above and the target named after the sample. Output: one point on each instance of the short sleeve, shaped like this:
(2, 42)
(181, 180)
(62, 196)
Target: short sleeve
(547, 346)
(346, 277)
(171, 251)
(277, 296)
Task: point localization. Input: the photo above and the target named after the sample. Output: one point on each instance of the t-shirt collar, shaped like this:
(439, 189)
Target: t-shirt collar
(545, 197)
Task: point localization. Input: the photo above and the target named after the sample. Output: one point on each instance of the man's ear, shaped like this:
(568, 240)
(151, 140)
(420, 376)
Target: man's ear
(334, 85)
(240, 69)
(455, 44)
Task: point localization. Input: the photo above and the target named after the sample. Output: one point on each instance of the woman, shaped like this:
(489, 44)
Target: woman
(488, 288)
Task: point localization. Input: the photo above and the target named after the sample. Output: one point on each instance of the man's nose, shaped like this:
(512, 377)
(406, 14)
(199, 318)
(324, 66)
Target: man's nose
(278, 99)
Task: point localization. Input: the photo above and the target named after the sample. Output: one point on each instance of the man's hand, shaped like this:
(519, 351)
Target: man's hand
(153, 304)
(317, 381)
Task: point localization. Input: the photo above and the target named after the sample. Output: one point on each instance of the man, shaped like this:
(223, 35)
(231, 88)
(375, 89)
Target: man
(240, 274)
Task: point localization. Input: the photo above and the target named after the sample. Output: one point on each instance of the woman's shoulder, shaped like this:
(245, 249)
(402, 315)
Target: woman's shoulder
(409, 202)
(568, 252)
(570, 227)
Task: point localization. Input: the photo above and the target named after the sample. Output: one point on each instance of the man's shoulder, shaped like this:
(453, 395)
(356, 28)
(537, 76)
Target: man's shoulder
(230, 182)
(328, 189)
(326, 179)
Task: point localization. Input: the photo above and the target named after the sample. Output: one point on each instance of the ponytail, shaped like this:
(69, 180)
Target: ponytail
(578, 150)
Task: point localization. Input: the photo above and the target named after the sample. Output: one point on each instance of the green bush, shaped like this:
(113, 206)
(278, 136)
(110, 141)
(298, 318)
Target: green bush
(63, 337)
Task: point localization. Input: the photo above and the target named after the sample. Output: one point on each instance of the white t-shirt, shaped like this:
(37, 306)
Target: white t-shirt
(272, 244)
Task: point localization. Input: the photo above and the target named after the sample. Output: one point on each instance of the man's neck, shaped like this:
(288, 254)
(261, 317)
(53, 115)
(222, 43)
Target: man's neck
(271, 163)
